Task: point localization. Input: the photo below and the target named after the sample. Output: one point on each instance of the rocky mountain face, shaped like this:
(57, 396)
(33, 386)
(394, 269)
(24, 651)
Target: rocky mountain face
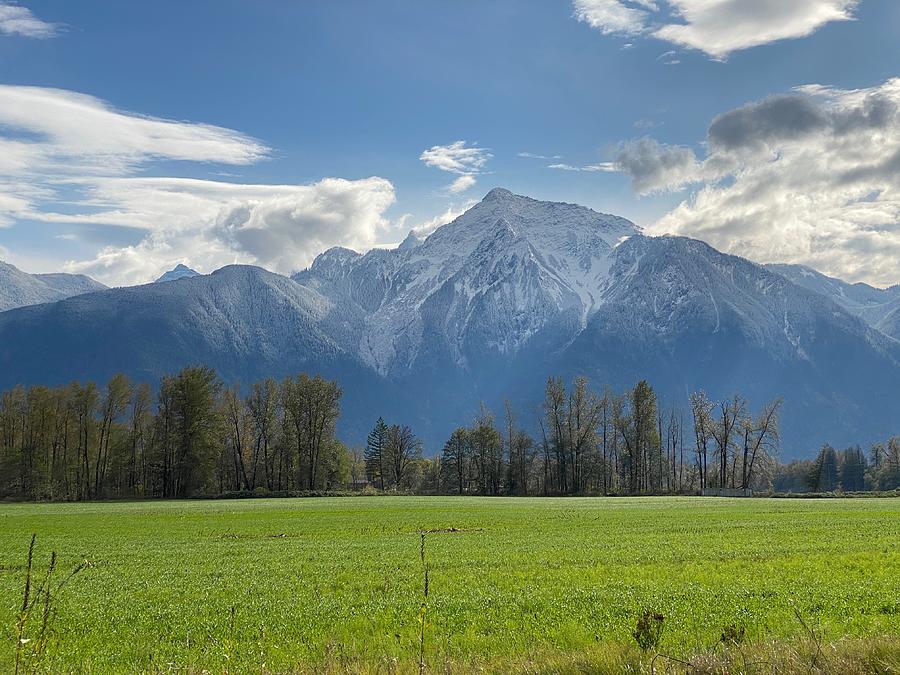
(20, 289)
(505, 273)
(483, 310)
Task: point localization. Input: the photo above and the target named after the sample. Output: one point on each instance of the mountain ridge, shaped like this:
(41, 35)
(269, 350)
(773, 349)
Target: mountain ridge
(20, 289)
(878, 307)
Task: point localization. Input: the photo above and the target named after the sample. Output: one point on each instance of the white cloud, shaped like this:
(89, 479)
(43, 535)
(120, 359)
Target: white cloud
(425, 228)
(717, 27)
(612, 16)
(17, 196)
(74, 159)
(462, 184)
(669, 58)
(532, 155)
(18, 20)
(810, 177)
(459, 158)
(604, 167)
(68, 132)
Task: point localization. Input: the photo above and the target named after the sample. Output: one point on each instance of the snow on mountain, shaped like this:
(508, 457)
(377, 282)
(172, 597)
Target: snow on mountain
(20, 289)
(688, 317)
(879, 307)
(243, 321)
(178, 272)
(485, 283)
(411, 241)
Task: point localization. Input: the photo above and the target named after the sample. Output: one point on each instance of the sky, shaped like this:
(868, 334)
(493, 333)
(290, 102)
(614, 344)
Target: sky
(135, 136)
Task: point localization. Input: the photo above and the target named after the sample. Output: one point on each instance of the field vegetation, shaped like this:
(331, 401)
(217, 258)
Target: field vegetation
(539, 585)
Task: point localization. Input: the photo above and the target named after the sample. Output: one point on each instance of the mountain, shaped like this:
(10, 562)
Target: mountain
(509, 271)
(485, 309)
(20, 289)
(243, 321)
(879, 307)
(690, 317)
(178, 272)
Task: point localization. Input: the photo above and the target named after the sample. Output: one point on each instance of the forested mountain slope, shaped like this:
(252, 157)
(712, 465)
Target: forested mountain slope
(20, 289)
(879, 307)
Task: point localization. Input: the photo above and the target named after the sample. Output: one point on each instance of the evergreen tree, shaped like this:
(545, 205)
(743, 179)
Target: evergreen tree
(374, 455)
(853, 470)
(487, 453)
(455, 461)
(641, 437)
(194, 393)
(825, 471)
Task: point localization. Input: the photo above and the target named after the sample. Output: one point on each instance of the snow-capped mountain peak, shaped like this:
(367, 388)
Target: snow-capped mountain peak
(496, 275)
(178, 272)
(547, 225)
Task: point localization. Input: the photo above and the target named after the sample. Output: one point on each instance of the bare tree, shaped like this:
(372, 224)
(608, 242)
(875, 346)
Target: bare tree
(760, 436)
(729, 414)
(263, 406)
(115, 401)
(238, 423)
(701, 410)
(403, 448)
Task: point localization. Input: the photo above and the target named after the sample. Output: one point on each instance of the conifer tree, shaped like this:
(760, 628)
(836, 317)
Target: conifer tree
(374, 455)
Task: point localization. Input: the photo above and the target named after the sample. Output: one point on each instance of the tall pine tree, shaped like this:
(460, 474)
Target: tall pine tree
(824, 476)
(374, 455)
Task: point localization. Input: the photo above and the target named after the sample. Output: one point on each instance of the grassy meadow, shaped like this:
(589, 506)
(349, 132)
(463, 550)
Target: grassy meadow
(306, 584)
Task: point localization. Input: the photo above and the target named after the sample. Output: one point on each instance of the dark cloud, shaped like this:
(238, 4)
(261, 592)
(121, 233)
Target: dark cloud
(875, 111)
(653, 166)
(773, 120)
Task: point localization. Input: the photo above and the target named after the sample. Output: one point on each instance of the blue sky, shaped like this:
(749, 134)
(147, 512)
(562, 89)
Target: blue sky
(311, 124)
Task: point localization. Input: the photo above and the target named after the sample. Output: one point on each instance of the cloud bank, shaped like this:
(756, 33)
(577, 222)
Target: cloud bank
(70, 158)
(211, 223)
(811, 176)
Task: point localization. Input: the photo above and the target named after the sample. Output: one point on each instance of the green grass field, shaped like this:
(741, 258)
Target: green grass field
(339, 580)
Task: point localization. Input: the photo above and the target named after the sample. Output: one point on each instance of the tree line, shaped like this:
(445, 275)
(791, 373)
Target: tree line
(590, 442)
(848, 470)
(194, 436)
